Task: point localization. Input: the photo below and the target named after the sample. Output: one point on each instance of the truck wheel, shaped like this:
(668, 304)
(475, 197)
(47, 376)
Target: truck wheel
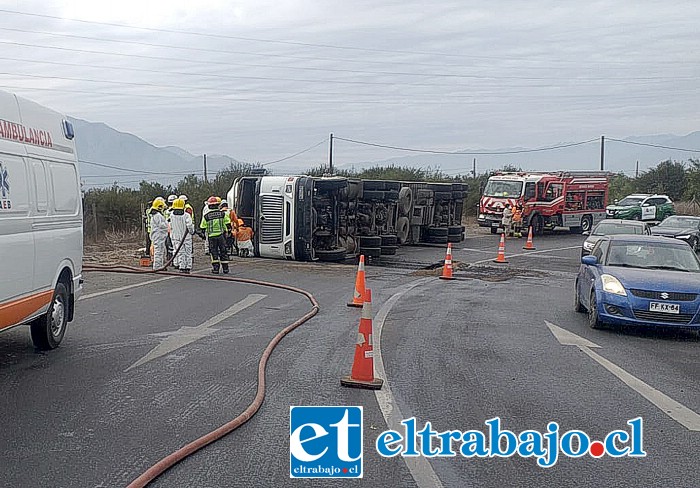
(371, 252)
(586, 223)
(455, 230)
(438, 239)
(373, 194)
(373, 185)
(443, 195)
(370, 241)
(402, 229)
(388, 240)
(454, 238)
(405, 200)
(438, 231)
(330, 255)
(389, 250)
(49, 329)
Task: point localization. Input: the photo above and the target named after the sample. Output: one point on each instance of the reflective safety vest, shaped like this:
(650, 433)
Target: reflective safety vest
(215, 223)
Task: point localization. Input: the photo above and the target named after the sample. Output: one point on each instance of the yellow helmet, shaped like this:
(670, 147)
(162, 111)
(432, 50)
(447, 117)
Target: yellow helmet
(159, 199)
(218, 199)
(179, 204)
(158, 204)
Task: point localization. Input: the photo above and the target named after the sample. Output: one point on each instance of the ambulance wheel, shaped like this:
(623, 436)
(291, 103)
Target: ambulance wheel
(49, 329)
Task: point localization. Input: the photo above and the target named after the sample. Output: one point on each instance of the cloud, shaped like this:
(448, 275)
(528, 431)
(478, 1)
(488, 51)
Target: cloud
(259, 80)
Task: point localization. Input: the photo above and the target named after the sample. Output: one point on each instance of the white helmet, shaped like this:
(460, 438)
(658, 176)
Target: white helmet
(172, 198)
(183, 197)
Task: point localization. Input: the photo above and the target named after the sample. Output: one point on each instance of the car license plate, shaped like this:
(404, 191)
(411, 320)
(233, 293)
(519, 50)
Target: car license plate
(664, 307)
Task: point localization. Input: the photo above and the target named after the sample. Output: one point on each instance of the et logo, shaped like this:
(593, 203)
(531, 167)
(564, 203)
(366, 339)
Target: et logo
(325, 442)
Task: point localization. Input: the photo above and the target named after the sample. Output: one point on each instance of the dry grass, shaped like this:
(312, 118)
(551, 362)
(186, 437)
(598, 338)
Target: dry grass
(687, 208)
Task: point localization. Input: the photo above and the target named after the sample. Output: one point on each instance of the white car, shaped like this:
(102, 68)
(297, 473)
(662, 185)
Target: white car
(41, 220)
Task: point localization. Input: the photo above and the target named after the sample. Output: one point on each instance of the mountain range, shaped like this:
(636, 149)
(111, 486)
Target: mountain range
(107, 156)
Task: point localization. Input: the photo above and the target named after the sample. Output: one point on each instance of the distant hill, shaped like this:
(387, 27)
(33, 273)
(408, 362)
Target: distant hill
(618, 156)
(100, 143)
(100, 146)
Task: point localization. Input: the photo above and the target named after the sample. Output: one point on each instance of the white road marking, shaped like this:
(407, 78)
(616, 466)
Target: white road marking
(173, 341)
(677, 411)
(129, 287)
(528, 253)
(420, 468)
(474, 250)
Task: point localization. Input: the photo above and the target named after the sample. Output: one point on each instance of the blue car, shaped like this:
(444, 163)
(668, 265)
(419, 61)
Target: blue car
(639, 280)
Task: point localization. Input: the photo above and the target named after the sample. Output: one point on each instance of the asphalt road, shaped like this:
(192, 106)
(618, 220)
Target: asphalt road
(147, 368)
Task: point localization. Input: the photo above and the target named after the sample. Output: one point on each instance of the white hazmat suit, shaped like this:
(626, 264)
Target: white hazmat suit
(159, 233)
(181, 225)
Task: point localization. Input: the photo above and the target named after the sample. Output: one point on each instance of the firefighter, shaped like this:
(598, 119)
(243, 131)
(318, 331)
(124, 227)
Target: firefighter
(507, 219)
(223, 206)
(182, 228)
(518, 220)
(188, 207)
(214, 227)
(159, 232)
(244, 236)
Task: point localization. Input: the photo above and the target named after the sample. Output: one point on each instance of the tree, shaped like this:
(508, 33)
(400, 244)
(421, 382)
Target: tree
(668, 177)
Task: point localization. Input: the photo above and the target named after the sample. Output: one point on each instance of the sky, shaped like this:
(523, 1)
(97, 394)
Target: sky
(260, 80)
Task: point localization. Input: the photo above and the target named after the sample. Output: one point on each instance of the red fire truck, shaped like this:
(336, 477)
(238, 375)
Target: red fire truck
(574, 199)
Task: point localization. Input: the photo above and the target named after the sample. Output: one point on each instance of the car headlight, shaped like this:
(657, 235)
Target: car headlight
(613, 285)
(481, 216)
(685, 236)
(588, 245)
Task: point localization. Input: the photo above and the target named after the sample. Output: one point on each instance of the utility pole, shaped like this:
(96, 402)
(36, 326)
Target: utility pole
(636, 171)
(474, 169)
(602, 153)
(330, 154)
(205, 169)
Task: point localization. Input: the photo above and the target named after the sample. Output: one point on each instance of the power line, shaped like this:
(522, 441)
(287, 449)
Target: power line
(430, 151)
(295, 154)
(654, 145)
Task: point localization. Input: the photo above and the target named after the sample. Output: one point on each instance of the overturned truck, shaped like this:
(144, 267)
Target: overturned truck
(307, 218)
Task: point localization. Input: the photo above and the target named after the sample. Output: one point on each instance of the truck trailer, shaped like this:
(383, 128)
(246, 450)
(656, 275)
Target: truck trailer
(308, 218)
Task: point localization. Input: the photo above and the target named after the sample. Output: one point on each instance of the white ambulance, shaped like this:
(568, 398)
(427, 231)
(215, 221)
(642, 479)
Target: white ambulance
(41, 220)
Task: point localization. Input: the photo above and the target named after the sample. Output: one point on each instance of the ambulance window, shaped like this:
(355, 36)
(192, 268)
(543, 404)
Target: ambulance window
(65, 188)
(42, 190)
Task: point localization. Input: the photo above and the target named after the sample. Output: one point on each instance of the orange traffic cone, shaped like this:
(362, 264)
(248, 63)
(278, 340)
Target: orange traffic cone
(501, 258)
(528, 245)
(359, 293)
(447, 268)
(362, 375)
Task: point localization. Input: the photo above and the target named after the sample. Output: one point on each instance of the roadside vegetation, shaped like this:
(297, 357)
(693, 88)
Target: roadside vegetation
(117, 209)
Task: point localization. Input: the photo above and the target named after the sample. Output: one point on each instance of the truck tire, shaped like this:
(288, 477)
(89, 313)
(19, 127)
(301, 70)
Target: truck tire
(373, 195)
(330, 255)
(455, 230)
(389, 250)
(370, 241)
(438, 232)
(392, 185)
(371, 252)
(391, 195)
(438, 239)
(537, 225)
(454, 238)
(48, 330)
(389, 240)
(405, 200)
(373, 185)
(443, 195)
(402, 229)
(586, 223)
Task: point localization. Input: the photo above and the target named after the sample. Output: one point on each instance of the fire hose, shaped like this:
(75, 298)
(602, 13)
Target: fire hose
(172, 459)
